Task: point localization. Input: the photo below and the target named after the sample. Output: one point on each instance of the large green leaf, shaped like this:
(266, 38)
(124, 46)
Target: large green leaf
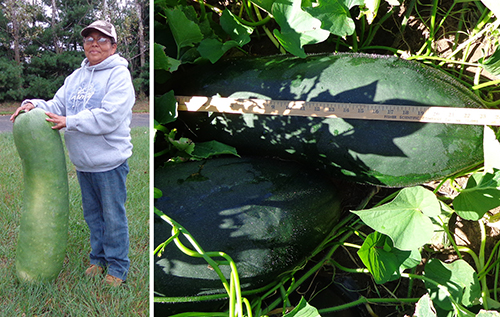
(424, 307)
(185, 32)
(492, 64)
(459, 279)
(297, 27)
(303, 309)
(493, 304)
(162, 61)
(371, 9)
(237, 31)
(405, 219)
(488, 313)
(481, 194)
(207, 149)
(213, 49)
(381, 258)
(266, 5)
(165, 110)
(334, 15)
(184, 145)
(440, 237)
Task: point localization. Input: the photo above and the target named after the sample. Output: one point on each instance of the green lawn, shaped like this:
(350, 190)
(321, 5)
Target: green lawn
(73, 294)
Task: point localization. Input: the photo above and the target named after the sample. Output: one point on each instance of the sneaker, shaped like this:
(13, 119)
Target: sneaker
(94, 270)
(113, 280)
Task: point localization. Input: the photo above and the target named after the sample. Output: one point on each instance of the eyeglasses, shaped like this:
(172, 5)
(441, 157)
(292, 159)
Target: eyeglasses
(100, 41)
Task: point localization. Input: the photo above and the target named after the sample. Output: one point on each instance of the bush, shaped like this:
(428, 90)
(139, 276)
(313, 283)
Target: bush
(42, 88)
(11, 80)
(141, 80)
(45, 74)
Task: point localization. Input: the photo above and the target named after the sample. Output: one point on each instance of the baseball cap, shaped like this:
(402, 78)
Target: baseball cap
(101, 26)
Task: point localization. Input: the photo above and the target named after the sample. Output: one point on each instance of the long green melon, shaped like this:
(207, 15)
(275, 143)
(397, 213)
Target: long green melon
(268, 215)
(393, 154)
(43, 232)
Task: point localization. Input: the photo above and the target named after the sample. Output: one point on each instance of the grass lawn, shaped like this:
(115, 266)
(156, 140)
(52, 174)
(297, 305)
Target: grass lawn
(73, 294)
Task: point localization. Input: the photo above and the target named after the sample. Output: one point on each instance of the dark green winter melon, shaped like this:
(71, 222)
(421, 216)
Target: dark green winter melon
(393, 154)
(268, 215)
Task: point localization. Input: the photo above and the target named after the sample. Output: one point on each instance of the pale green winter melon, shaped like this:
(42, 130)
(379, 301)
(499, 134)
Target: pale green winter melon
(43, 231)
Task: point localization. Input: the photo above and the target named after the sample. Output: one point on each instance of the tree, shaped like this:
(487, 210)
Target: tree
(13, 12)
(57, 46)
(142, 42)
(42, 39)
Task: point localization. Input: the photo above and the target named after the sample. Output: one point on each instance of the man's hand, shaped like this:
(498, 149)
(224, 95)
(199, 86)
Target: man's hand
(26, 107)
(59, 121)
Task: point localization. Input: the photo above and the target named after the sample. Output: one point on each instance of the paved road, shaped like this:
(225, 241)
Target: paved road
(138, 120)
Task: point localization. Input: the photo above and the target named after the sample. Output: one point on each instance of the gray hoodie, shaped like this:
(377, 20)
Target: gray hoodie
(97, 102)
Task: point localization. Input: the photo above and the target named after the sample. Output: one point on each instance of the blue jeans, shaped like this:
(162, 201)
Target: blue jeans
(103, 200)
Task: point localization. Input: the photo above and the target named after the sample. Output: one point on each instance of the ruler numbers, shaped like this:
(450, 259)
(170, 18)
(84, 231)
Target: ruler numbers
(342, 110)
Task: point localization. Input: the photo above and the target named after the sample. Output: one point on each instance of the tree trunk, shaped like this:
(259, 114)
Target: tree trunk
(14, 13)
(142, 44)
(105, 11)
(57, 46)
(15, 34)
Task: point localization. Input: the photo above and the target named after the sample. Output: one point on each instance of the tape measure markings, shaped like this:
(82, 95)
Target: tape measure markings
(429, 114)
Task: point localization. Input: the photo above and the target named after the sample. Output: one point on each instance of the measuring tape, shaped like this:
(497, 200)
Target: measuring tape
(475, 116)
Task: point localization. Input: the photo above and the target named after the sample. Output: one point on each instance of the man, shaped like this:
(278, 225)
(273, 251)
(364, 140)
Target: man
(95, 106)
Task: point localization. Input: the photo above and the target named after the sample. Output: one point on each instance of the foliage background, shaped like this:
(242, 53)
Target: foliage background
(40, 42)
(458, 36)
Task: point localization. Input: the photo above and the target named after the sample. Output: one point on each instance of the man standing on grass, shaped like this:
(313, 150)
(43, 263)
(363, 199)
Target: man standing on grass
(95, 106)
